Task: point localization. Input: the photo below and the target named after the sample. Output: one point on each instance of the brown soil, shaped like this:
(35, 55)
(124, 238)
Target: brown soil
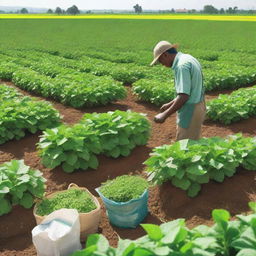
(165, 202)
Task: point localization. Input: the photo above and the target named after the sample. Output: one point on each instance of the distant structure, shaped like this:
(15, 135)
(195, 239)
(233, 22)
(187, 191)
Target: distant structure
(181, 10)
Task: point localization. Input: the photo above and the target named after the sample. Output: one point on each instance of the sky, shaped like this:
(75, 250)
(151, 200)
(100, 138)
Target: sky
(128, 4)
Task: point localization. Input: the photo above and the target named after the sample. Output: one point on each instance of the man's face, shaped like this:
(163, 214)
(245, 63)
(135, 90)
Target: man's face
(165, 60)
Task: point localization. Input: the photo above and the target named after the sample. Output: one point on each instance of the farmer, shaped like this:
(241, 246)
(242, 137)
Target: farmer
(189, 102)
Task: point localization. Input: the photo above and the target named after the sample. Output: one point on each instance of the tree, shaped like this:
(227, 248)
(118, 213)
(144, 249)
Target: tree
(23, 10)
(232, 10)
(73, 10)
(222, 11)
(58, 10)
(172, 10)
(210, 9)
(50, 11)
(137, 8)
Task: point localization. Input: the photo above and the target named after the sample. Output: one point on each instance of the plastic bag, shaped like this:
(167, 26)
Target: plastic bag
(126, 214)
(58, 234)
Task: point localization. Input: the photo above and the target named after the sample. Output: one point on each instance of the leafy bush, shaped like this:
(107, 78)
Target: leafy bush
(71, 199)
(118, 132)
(225, 238)
(154, 91)
(188, 164)
(19, 185)
(239, 105)
(72, 147)
(113, 134)
(20, 114)
(124, 188)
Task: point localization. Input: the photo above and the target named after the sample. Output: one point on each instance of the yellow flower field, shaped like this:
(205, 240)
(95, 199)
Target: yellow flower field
(133, 16)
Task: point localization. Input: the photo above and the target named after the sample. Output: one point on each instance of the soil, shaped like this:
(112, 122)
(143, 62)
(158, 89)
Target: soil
(165, 202)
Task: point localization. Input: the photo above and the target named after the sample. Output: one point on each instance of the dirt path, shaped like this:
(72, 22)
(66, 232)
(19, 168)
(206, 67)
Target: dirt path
(165, 202)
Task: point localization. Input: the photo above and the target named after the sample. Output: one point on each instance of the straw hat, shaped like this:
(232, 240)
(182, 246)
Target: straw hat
(160, 48)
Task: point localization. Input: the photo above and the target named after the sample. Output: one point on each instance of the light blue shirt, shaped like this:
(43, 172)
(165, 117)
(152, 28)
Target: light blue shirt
(188, 80)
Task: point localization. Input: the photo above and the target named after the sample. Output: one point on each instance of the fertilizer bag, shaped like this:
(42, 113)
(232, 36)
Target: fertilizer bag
(58, 234)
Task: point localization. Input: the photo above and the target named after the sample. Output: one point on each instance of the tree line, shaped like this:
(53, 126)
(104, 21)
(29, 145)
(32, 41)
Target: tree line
(73, 10)
(207, 9)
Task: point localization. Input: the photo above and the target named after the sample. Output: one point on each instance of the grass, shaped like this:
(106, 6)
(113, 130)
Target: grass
(70, 199)
(121, 34)
(124, 188)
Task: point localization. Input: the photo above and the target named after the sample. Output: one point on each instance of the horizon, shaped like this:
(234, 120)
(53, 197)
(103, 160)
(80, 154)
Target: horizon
(128, 4)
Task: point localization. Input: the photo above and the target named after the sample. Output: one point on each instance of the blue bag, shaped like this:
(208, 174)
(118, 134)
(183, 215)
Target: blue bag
(126, 214)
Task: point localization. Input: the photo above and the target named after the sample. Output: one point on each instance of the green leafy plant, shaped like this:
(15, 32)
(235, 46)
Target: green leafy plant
(71, 199)
(72, 147)
(124, 188)
(20, 114)
(119, 131)
(188, 164)
(113, 134)
(19, 184)
(154, 91)
(225, 238)
(231, 108)
(77, 90)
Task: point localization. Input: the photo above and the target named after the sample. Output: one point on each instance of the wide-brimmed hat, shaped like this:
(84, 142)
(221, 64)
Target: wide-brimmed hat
(160, 48)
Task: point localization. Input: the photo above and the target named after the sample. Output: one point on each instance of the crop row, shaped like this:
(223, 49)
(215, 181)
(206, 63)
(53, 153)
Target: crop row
(188, 164)
(19, 114)
(69, 82)
(113, 134)
(125, 73)
(224, 238)
(77, 90)
(218, 75)
(229, 108)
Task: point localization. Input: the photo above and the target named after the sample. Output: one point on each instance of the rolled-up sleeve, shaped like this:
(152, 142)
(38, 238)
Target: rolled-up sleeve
(183, 79)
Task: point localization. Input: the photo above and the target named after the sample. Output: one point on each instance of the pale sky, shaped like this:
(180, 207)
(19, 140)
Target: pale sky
(128, 4)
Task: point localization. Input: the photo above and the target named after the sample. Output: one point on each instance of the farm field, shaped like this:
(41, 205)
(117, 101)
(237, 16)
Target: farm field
(63, 71)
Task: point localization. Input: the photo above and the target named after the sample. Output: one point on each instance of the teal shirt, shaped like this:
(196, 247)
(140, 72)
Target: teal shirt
(189, 80)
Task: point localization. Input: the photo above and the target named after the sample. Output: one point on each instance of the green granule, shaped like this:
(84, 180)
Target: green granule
(124, 188)
(70, 199)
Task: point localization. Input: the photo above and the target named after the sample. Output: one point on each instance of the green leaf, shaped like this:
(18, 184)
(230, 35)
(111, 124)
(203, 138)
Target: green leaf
(252, 205)
(27, 200)
(115, 152)
(194, 189)
(5, 206)
(68, 168)
(181, 183)
(247, 252)
(93, 162)
(220, 215)
(62, 141)
(154, 232)
(71, 158)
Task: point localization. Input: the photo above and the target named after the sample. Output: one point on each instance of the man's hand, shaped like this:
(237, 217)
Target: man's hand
(166, 106)
(174, 106)
(160, 118)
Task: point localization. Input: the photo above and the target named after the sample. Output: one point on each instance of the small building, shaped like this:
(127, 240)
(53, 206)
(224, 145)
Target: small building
(181, 11)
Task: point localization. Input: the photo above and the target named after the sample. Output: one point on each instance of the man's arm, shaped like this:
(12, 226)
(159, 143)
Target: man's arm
(167, 105)
(181, 99)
